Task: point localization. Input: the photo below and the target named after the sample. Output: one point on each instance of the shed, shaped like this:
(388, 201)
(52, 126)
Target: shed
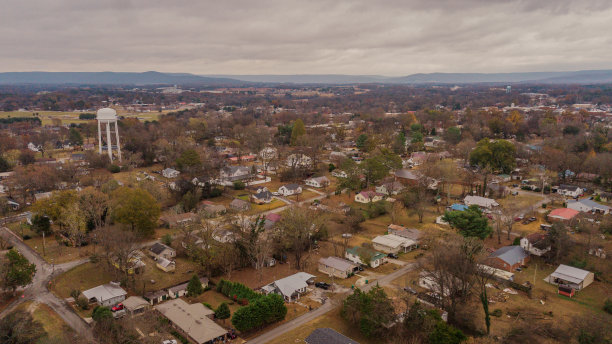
(135, 305)
(571, 276)
(106, 295)
(338, 267)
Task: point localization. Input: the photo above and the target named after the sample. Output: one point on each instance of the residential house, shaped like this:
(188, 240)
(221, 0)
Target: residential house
(175, 220)
(562, 214)
(170, 173)
(155, 297)
(135, 305)
(408, 233)
(298, 160)
(390, 188)
(605, 196)
(406, 177)
(42, 195)
(338, 267)
(159, 250)
(392, 243)
(536, 244)
(481, 202)
(429, 280)
(261, 197)
(458, 207)
(271, 220)
(508, 258)
(570, 190)
(504, 177)
(339, 174)
(570, 276)
(355, 255)
(587, 205)
(165, 265)
(239, 205)
(193, 321)
(106, 295)
(234, 173)
(290, 189)
(368, 196)
(317, 182)
(180, 290)
(212, 209)
(224, 236)
(290, 287)
(327, 336)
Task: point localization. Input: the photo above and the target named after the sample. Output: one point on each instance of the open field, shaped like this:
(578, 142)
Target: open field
(68, 117)
(56, 328)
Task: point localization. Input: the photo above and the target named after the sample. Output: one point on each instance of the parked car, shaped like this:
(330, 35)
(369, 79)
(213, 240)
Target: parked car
(410, 290)
(514, 193)
(392, 255)
(117, 307)
(360, 268)
(519, 218)
(119, 313)
(515, 185)
(170, 341)
(275, 193)
(531, 219)
(322, 285)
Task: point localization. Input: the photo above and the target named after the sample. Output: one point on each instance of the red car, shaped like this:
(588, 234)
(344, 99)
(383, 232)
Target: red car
(117, 307)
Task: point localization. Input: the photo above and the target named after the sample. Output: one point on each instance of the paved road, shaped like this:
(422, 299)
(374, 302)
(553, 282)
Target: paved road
(38, 290)
(301, 320)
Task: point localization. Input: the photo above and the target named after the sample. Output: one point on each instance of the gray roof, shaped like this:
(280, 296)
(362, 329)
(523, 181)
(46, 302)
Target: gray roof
(338, 263)
(104, 292)
(568, 187)
(239, 203)
(570, 273)
(292, 186)
(328, 336)
(510, 254)
(191, 319)
(158, 248)
(290, 284)
(593, 204)
(406, 174)
(263, 195)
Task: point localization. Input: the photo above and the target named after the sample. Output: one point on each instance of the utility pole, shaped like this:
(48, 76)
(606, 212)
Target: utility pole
(44, 251)
(534, 274)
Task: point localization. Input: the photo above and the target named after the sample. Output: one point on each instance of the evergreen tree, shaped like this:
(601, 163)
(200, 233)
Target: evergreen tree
(222, 312)
(194, 287)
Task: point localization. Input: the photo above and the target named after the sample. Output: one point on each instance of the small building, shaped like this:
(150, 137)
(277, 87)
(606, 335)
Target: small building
(508, 258)
(175, 220)
(570, 276)
(572, 191)
(458, 207)
(106, 295)
(327, 336)
(135, 305)
(239, 205)
(406, 177)
(368, 196)
(317, 182)
(358, 254)
(290, 189)
(339, 174)
(481, 202)
(337, 267)
(212, 209)
(536, 244)
(159, 250)
(562, 214)
(408, 233)
(298, 160)
(588, 206)
(390, 188)
(155, 297)
(290, 287)
(234, 173)
(192, 320)
(170, 173)
(181, 289)
(165, 265)
(497, 274)
(392, 243)
(263, 197)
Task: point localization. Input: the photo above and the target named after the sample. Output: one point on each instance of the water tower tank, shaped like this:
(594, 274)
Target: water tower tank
(106, 114)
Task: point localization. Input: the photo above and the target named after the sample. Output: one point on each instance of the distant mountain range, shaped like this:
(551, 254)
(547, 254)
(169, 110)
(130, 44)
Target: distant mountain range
(157, 78)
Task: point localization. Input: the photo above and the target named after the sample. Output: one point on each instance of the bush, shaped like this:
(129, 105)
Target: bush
(223, 312)
(517, 241)
(497, 312)
(41, 224)
(208, 305)
(180, 337)
(114, 168)
(608, 306)
(577, 263)
(167, 239)
(27, 237)
(75, 294)
(87, 116)
(235, 291)
(267, 309)
(243, 302)
(100, 313)
(544, 205)
(82, 302)
(239, 185)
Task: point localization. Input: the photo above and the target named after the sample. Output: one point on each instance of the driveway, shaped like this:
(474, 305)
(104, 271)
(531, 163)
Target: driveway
(38, 290)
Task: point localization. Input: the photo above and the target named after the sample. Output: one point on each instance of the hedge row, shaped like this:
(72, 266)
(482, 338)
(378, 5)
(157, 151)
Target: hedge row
(237, 291)
(265, 310)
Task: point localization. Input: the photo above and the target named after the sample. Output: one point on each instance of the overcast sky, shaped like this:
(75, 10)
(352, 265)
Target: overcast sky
(395, 37)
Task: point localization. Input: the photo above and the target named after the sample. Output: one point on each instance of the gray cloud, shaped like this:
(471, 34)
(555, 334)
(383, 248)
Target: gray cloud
(391, 37)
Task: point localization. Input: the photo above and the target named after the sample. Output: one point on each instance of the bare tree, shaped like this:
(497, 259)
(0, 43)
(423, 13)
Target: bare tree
(295, 230)
(118, 247)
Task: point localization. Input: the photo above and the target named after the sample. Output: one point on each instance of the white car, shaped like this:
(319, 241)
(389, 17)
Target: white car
(170, 341)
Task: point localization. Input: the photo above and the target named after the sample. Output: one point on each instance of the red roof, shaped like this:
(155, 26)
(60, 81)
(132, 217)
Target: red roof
(273, 217)
(564, 213)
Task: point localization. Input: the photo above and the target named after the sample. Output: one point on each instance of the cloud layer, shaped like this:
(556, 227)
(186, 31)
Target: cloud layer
(391, 37)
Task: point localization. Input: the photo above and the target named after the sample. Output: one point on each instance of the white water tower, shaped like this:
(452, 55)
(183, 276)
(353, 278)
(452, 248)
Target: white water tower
(108, 116)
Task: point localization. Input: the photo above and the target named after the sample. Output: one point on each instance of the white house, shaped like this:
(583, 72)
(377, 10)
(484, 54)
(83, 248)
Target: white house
(181, 289)
(571, 276)
(570, 191)
(392, 243)
(170, 173)
(290, 189)
(159, 250)
(106, 294)
(290, 287)
(339, 174)
(586, 205)
(232, 173)
(391, 188)
(355, 255)
(317, 182)
(536, 244)
(368, 196)
(298, 160)
(482, 202)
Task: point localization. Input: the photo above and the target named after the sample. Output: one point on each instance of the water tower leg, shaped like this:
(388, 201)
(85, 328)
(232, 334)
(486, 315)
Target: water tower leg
(118, 146)
(99, 138)
(109, 143)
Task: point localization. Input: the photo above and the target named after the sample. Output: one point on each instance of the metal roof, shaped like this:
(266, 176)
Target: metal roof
(290, 284)
(338, 263)
(510, 254)
(570, 273)
(191, 319)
